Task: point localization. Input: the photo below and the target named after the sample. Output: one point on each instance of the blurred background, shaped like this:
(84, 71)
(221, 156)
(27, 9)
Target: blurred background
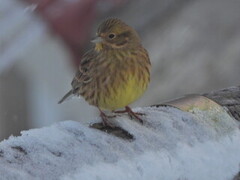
(194, 46)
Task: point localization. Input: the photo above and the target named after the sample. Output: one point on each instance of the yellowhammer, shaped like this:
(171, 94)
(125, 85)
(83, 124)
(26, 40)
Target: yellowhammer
(114, 73)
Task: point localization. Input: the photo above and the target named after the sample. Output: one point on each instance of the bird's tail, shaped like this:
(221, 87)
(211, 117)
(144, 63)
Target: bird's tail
(67, 96)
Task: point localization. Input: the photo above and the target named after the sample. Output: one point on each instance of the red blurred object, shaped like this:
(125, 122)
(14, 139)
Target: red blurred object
(71, 19)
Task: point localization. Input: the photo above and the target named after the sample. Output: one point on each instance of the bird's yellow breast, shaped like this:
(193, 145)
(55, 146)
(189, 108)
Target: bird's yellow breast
(122, 93)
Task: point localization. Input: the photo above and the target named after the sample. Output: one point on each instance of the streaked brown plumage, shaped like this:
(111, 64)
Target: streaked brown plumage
(114, 73)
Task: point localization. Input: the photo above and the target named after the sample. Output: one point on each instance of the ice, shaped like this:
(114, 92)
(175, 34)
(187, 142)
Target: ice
(171, 145)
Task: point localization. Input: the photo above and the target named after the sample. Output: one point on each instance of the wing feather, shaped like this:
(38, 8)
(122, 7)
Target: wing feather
(83, 75)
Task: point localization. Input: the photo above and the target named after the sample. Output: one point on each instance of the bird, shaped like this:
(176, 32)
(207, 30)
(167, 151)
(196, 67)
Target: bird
(115, 72)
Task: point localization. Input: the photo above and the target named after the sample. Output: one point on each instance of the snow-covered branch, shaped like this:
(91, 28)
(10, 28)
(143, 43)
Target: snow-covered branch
(197, 143)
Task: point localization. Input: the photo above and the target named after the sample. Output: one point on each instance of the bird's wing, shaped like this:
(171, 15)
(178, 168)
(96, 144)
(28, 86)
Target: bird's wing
(83, 74)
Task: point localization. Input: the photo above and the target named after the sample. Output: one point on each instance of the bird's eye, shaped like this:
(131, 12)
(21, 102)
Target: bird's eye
(111, 36)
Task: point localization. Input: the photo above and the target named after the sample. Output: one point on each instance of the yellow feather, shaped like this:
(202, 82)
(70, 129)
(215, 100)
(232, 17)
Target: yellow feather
(125, 93)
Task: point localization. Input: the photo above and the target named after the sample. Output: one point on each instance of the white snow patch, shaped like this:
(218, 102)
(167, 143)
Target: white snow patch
(171, 145)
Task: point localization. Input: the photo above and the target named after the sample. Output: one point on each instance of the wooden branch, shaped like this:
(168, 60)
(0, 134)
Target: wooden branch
(187, 138)
(228, 98)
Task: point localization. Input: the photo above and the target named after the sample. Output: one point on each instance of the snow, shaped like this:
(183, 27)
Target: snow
(171, 144)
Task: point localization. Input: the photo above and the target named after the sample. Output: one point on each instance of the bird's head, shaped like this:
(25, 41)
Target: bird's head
(115, 34)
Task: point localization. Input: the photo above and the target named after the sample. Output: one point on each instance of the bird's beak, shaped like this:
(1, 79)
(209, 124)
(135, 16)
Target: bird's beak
(97, 39)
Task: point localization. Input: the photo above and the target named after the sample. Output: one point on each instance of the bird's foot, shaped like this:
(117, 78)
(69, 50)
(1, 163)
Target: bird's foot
(132, 114)
(125, 111)
(105, 119)
(119, 112)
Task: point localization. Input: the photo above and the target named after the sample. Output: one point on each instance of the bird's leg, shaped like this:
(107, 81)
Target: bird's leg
(122, 111)
(126, 111)
(131, 113)
(105, 118)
